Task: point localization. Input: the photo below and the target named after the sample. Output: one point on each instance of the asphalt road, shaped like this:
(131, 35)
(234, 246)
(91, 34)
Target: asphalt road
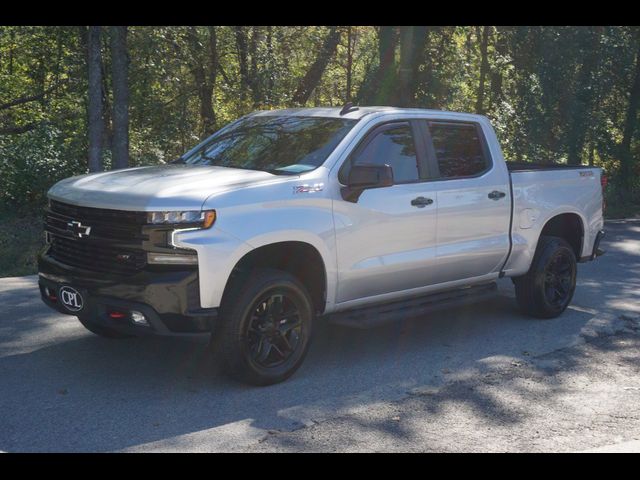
(475, 378)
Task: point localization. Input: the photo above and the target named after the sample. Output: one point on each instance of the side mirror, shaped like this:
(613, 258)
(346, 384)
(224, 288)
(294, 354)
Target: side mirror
(370, 176)
(362, 177)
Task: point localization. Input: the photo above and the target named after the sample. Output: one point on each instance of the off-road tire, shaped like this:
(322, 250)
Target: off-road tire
(244, 320)
(548, 287)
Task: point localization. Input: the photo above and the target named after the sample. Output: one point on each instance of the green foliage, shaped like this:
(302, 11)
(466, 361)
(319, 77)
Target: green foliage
(554, 94)
(30, 163)
(21, 238)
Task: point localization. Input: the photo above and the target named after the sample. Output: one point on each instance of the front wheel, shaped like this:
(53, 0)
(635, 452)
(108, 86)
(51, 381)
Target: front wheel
(547, 288)
(264, 327)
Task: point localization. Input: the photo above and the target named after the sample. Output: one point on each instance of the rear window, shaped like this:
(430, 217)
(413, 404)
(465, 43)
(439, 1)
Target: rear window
(458, 150)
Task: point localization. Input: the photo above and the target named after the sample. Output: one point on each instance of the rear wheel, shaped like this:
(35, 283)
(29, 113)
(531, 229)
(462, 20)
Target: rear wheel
(101, 330)
(547, 289)
(264, 327)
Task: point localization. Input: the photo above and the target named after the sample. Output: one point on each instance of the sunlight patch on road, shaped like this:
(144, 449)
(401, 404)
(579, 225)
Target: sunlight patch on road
(625, 447)
(221, 438)
(626, 246)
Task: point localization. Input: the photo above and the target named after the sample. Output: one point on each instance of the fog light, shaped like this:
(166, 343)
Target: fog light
(139, 318)
(172, 259)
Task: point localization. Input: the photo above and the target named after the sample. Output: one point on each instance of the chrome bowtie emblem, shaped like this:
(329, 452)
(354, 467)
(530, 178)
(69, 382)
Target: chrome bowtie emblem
(78, 230)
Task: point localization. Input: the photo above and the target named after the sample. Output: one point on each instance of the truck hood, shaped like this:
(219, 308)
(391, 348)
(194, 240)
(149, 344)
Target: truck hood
(166, 187)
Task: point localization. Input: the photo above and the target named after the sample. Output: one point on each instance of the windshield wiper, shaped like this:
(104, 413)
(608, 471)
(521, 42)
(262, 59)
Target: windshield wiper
(177, 161)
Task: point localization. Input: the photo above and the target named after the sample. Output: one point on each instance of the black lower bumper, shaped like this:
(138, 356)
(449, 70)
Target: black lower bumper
(167, 298)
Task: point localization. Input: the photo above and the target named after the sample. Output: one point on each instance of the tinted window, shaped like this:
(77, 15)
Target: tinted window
(393, 146)
(458, 150)
(278, 144)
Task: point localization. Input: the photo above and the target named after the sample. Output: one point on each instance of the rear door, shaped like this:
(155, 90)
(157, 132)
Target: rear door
(473, 198)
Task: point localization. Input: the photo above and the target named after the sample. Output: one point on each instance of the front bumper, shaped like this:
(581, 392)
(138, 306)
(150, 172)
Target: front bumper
(167, 296)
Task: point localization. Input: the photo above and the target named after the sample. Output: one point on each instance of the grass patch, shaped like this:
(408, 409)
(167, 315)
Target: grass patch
(21, 238)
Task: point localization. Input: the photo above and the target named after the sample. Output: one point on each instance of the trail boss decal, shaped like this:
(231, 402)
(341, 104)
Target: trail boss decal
(316, 187)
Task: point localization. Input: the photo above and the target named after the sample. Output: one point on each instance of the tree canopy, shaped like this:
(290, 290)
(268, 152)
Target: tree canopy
(143, 95)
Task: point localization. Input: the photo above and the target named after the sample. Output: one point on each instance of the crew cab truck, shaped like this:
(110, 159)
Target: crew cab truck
(286, 217)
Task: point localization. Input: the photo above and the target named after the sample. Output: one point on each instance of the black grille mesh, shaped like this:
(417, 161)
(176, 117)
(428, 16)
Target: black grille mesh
(113, 246)
(95, 257)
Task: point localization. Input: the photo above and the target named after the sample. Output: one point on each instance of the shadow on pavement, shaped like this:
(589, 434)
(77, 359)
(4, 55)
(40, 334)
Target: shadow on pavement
(69, 390)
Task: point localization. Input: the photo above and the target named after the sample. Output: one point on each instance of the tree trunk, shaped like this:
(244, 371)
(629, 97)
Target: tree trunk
(349, 64)
(379, 88)
(626, 158)
(313, 76)
(412, 43)
(254, 80)
(119, 72)
(107, 119)
(241, 45)
(212, 72)
(204, 66)
(583, 100)
(13, 38)
(95, 126)
(387, 42)
(436, 89)
(484, 68)
(266, 89)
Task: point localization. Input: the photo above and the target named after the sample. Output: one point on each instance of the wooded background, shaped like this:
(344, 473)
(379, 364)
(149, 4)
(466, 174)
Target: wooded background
(74, 99)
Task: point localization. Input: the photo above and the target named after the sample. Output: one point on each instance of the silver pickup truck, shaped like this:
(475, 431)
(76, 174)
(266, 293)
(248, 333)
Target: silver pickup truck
(287, 217)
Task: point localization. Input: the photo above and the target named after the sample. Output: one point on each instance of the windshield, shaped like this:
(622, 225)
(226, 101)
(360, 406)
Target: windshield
(276, 144)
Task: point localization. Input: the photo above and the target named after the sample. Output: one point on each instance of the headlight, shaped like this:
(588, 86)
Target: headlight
(201, 219)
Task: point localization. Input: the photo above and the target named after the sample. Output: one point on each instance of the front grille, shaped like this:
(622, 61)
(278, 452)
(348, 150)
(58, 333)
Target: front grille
(105, 224)
(96, 257)
(114, 244)
(99, 214)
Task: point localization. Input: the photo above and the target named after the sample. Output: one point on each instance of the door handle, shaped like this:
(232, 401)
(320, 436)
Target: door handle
(421, 202)
(496, 195)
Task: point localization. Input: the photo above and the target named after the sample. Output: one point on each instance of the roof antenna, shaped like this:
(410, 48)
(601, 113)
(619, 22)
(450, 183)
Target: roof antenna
(348, 108)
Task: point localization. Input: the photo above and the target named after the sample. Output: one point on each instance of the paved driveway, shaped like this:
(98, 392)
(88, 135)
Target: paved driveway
(65, 389)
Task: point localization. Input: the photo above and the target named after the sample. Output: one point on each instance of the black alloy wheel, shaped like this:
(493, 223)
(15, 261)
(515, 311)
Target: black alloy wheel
(558, 280)
(546, 290)
(264, 328)
(274, 330)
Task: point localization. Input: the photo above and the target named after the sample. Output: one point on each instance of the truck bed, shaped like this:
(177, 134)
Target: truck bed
(527, 166)
(542, 191)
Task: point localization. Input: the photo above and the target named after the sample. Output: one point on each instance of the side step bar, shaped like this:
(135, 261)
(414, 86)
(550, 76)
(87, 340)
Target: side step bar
(373, 316)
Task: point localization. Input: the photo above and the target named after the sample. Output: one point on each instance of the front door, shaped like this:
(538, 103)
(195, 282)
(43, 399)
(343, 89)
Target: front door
(386, 238)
